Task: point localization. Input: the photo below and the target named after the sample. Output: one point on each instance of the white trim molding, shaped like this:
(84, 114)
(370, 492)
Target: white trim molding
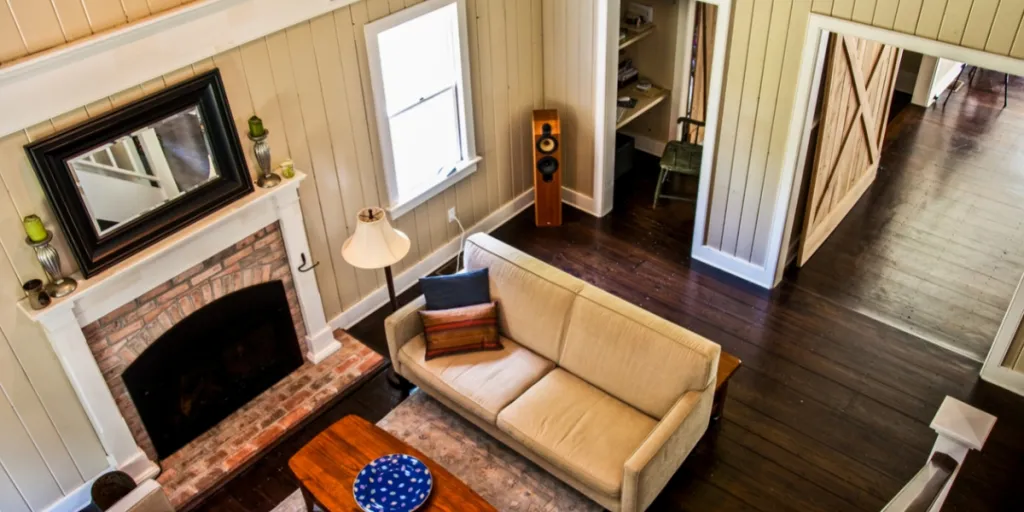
(51, 83)
(64, 319)
(579, 200)
(379, 297)
(819, 26)
(995, 369)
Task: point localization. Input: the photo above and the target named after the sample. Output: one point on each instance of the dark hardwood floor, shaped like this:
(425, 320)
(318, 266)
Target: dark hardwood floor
(830, 411)
(936, 245)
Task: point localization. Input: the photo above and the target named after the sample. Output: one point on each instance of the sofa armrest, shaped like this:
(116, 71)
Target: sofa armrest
(666, 447)
(402, 326)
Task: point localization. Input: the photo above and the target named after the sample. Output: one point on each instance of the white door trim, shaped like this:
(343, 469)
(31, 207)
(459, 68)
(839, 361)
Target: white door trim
(51, 83)
(993, 370)
(792, 174)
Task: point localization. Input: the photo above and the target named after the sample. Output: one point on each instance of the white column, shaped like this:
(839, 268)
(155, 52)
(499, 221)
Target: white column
(72, 350)
(319, 335)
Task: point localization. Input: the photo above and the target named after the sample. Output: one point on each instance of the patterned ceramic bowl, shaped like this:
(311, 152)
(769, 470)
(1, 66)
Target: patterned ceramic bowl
(393, 483)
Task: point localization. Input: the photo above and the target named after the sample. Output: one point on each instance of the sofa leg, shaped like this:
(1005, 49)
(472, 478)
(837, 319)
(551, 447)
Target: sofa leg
(399, 383)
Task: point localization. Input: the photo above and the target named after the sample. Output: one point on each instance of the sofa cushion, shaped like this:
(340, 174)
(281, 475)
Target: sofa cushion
(456, 290)
(534, 297)
(634, 355)
(577, 427)
(482, 382)
(461, 330)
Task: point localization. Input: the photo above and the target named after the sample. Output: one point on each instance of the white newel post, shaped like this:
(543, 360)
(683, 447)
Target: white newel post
(961, 428)
(320, 340)
(72, 350)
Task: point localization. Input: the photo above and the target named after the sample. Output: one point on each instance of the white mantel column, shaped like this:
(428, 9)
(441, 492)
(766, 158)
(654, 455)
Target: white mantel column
(320, 340)
(72, 350)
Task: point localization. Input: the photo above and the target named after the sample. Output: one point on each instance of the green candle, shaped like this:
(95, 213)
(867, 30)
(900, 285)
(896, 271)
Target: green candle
(256, 127)
(34, 228)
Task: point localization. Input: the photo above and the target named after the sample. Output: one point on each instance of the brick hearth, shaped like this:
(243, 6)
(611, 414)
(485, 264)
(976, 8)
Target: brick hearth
(118, 338)
(211, 458)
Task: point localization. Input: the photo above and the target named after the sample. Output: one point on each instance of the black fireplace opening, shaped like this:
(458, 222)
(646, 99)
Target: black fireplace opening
(212, 363)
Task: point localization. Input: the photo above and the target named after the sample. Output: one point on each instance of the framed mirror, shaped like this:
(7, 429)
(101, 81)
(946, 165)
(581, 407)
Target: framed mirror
(120, 182)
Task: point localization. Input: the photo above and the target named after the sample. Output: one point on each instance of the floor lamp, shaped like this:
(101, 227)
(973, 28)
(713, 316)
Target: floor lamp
(376, 244)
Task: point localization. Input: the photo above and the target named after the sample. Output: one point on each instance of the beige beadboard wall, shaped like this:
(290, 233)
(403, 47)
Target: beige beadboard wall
(32, 26)
(569, 56)
(764, 53)
(310, 83)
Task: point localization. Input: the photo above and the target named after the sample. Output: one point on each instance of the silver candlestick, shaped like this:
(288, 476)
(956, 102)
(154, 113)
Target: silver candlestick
(267, 178)
(59, 286)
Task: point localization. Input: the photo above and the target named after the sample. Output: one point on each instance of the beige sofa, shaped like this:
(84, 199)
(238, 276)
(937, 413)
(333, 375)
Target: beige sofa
(602, 394)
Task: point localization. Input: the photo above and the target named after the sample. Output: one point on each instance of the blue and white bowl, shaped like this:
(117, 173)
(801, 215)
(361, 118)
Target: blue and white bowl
(393, 483)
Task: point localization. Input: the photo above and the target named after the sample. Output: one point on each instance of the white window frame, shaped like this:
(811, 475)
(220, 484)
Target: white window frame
(399, 206)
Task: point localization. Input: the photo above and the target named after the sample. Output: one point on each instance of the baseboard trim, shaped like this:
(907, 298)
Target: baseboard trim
(431, 263)
(77, 499)
(738, 267)
(579, 201)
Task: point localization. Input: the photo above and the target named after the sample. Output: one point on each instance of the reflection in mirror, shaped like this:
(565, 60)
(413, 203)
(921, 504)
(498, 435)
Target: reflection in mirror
(139, 172)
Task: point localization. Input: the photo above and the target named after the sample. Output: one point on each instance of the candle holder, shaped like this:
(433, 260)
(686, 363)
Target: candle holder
(267, 178)
(59, 286)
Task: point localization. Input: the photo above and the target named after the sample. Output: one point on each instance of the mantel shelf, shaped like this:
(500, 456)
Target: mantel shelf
(88, 287)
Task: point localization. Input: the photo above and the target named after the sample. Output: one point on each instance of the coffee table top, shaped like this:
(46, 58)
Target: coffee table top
(328, 465)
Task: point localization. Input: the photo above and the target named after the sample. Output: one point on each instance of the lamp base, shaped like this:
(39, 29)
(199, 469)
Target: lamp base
(61, 287)
(270, 180)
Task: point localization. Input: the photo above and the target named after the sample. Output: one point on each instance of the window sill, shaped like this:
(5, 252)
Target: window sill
(406, 205)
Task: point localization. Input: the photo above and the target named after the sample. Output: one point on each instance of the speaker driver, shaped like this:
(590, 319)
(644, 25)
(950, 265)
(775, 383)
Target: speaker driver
(547, 167)
(547, 144)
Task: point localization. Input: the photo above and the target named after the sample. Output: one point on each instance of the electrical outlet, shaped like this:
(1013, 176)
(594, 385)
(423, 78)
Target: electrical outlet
(451, 215)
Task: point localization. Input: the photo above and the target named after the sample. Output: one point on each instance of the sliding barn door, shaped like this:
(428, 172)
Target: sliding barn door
(859, 80)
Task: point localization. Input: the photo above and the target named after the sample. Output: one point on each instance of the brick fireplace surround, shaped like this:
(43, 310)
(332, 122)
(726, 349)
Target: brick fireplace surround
(121, 336)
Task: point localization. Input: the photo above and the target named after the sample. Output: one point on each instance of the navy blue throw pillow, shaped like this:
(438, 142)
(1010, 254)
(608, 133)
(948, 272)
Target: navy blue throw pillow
(456, 290)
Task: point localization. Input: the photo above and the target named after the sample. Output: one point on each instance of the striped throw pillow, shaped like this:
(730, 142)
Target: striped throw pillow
(461, 330)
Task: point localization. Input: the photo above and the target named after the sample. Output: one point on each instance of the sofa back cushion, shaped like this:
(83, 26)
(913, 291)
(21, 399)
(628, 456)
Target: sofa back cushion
(633, 355)
(533, 297)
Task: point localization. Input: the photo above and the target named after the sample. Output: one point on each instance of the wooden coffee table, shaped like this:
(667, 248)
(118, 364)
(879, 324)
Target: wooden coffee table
(327, 466)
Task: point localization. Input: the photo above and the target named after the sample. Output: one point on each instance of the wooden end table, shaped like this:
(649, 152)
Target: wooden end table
(727, 366)
(327, 466)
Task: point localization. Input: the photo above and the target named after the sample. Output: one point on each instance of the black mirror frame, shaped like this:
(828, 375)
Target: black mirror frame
(49, 158)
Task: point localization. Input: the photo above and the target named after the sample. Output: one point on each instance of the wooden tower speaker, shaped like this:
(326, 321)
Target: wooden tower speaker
(547, 167)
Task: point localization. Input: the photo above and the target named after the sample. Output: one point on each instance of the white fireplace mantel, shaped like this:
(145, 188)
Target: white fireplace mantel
(95, 297)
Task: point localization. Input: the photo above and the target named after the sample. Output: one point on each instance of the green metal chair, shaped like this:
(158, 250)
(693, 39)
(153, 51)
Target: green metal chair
(682, 157)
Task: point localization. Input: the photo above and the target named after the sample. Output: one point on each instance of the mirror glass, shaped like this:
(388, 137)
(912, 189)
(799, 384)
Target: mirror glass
(141, 171)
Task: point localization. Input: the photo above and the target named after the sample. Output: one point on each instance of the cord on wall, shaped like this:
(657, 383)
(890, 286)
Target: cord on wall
(459, 260)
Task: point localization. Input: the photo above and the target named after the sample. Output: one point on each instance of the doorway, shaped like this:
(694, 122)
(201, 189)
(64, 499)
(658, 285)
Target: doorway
(930, 241)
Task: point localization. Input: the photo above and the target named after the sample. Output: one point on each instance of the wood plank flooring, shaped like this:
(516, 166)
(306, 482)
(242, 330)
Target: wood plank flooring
(830, 411)
(936, 244)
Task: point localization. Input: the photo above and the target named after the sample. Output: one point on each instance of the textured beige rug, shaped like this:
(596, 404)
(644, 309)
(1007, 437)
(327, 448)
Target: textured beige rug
(505, 479)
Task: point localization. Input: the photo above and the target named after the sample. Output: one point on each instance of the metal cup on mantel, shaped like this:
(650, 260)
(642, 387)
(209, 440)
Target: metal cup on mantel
(258, 135)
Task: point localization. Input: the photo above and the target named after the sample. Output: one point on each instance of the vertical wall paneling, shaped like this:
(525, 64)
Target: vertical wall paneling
(954, 20)
(307, 80)
(864, 10)
(1004, 27)
(821, 6)
(104, 14)
(774, 53)
(930, 19)
(135, 9)
(885, 13)
(751, 88)
(10, 499)
(499, 67)
(163, 5)
(11, 44)
(483, 97)
(17, 451)
(479, 81)
(515, 132)
(843, 9)
(979, 24)
(732, 96)
(38, 24)
(907, 15)
(73, 20)
(295, 132)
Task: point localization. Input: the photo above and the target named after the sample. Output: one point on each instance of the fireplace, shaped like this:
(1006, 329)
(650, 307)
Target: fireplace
(213, 362)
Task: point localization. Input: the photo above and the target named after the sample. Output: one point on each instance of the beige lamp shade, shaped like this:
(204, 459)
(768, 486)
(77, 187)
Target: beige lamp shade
(375, 244)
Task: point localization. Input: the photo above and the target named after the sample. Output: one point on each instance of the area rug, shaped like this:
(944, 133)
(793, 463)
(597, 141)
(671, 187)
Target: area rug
(506, 480)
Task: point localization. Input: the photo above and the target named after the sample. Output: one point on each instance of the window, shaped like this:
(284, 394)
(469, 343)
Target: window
(419, 67)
